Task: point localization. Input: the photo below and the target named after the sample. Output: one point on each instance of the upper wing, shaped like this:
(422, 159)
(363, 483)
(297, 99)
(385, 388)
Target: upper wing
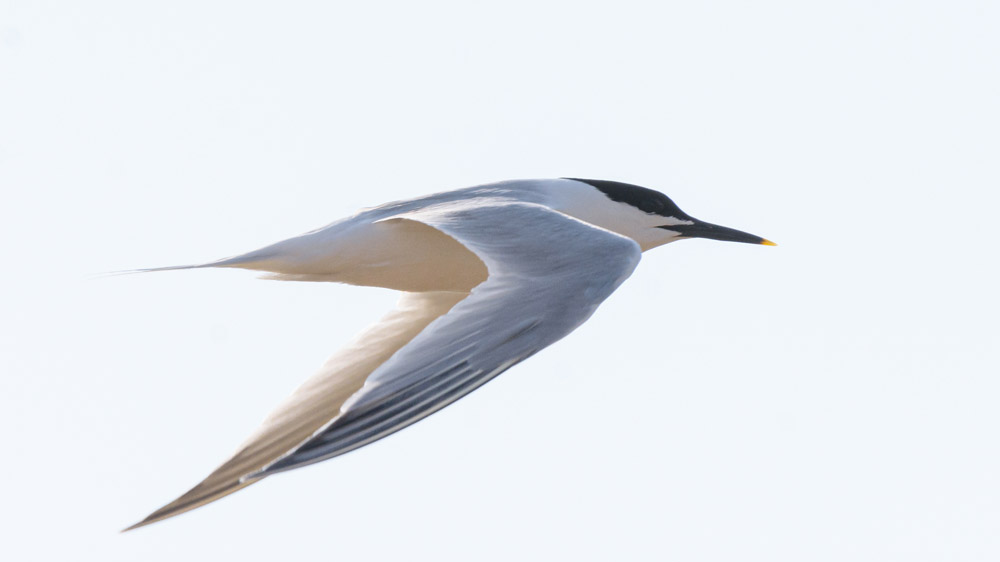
(547, 274)
(316, 401)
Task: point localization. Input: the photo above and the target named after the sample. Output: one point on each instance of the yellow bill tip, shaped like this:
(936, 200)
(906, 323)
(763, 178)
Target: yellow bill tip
(766, 242)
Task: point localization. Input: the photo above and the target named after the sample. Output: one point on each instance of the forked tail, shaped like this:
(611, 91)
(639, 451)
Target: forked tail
(245, 261)
(152, 269)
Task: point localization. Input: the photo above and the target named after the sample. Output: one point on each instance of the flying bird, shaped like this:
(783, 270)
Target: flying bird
(490, 275)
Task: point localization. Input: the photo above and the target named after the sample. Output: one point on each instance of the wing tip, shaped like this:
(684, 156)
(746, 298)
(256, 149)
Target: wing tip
(158, 515)
(196, 497)
(142, 523)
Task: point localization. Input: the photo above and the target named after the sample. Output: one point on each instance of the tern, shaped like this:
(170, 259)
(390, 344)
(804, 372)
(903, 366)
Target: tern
(490, 275)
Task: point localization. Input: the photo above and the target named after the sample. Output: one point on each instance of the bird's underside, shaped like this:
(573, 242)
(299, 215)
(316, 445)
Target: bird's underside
(486, 287)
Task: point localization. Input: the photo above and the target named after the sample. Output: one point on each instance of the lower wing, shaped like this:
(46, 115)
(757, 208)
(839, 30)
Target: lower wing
(316, 401)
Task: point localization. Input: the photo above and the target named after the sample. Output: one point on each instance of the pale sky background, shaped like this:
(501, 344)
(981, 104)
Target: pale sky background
(834, 398)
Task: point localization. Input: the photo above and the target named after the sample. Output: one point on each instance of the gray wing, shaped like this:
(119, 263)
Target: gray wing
(548, 272)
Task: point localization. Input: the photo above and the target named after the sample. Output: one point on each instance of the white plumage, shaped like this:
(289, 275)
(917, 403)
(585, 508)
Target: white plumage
(490, 274)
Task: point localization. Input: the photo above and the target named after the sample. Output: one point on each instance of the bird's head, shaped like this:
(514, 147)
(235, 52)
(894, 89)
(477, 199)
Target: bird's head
(644, 215)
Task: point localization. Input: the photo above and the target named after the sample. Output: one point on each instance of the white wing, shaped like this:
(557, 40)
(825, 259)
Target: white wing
(547, 274)
(316, 401)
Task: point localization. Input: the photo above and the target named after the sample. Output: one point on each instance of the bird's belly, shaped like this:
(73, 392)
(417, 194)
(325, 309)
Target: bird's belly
(399, 254)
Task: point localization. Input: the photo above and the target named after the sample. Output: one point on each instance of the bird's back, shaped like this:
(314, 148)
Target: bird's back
(367, 249)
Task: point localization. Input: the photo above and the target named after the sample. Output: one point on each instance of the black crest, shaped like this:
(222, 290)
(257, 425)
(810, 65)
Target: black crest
(646, 200)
